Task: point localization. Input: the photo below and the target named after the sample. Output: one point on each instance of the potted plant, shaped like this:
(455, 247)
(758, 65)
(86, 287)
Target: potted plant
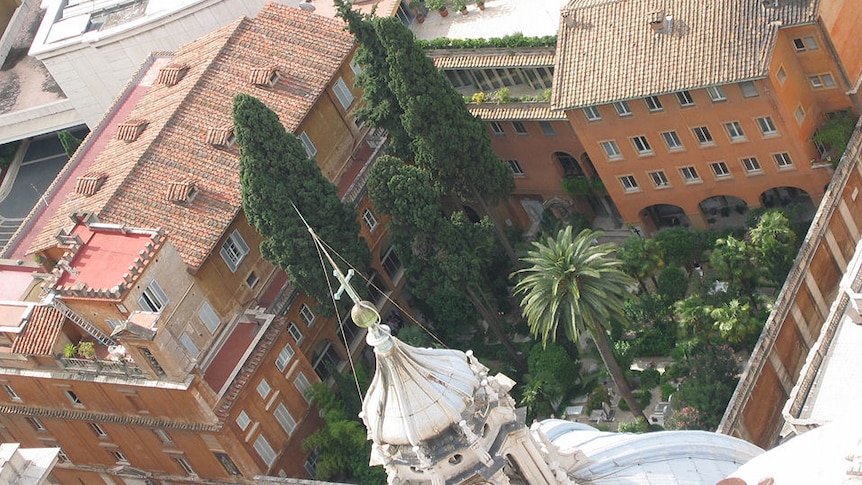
(69, 350)
(439, 5)
(460, 5)
(480, 4)
(86, 349)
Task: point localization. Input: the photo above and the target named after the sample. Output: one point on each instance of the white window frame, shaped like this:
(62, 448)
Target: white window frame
(369, 219)
(119, 455)
(659, 179)
(99, 430)
(342, 92)
(767, 127)
(716, 94)
(782, 160)
(308, 317)
(751, 164)
(263, 388)
(11, 392)
(310, 149)
(153, 298)
(36, 424)
(611, 149)
(516, 167)
(209, 317)
(264, 450)
(285, 419)
(185, 465)
(672, 140)
(243, 420)
(163, 436)
(311, 462)
(284, 356)
(592, 113)
(685, 99)
(781, 75)
(799, 114)
(303, 385)
(295, 333)
(734, 131)
(749, 89)
(805, 43)
(822, 81)
(234, 250)
(703, 136)
(629, 183)
(496, 128)
(189, 345)
(622, 108)
(653, 103)
(387, 256)
(641, 144)
(689, 174)
(520, 128)
(720, 169)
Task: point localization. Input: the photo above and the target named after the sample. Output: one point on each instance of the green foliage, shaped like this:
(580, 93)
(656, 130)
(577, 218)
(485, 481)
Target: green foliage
(643, 398)
(672, 284)
(581, 186)
(598, 396)
(733, 261)
(639, 425)
(652, 319)
(666, 390)
(509, 41)
(650, 378)
(711, 378)
(552, 378)
(682, 246)
(835, 133)
(414, 335)
(7, 153)
(642, 258)
(501, 96)
(685, 418)
(774, 245)
(86, 349)
(69, 350)
(276, 174)
(69, 141)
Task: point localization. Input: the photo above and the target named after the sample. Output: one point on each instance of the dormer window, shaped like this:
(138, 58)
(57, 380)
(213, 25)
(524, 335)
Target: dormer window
(264, 76)
(172, 74)
(221, 137)
(90, 183)
(182, 191)
(131, 130)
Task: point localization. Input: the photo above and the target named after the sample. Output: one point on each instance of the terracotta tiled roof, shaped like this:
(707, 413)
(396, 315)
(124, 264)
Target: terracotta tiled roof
(490, 58)
(40, 333)
(607, 51)
(516, 111)
(130, 130)
(90, 183)
(181, 190)
(222, 136)
(309, 48)
(172, 74)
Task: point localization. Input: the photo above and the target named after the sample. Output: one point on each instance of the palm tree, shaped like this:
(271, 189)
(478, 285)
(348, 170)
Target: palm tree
(573, 284)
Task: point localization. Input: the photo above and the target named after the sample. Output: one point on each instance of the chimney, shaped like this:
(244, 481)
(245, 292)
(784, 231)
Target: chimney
(659, 22)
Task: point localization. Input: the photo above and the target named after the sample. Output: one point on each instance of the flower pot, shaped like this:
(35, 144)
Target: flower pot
(481, 6)
(420, 18)
(444, 12)
(464, 11)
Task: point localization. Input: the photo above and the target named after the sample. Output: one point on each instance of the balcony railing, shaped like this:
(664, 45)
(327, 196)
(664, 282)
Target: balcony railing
(108, 367)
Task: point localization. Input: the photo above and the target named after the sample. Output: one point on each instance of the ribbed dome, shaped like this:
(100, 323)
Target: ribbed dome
(416, 393)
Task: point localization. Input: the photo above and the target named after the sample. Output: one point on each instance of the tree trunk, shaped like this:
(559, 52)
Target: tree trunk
(496, 326)
(619, 378)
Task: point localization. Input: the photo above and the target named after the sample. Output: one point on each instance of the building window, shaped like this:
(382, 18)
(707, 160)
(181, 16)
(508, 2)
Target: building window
(749, 89)
(611, 150)
(704, 137)
(781, 75)
(684, 98)
(311, 463)
(659, 179)
(822, 81)
(342, 92)
(151, 359)
(228, 464)
(190, 346)
(74, 399)
(629, 183)
(516, 167)
(720, 169)
(653, 103)
(325, 357)
(295, 332)
(734, 131)
(782, 160)
(751, 165)
(242, 420)
(767, 127)
(641, 145)
(800, 114)
(369, 219)
(163, 436)
(284, 357)
(119, 457)
(209, 317)
(310, 149)
(251, 280)
(622, 108)
(303, 386)
(185, 465)
(547, 128)
(100, 432)
(672, 140)
(62, 457)
(234, 250)
(716, 94)
(263, 388)
(807, 43)
(689, 174)
(391, 264)
(285, 419)
(496, 128)
(307, 315)
(592, 113)
(36, 424)
(153, 299)
(267, 454)
(519, 128)
(11, 392)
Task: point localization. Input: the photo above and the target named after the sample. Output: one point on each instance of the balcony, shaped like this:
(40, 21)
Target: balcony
(101, 367)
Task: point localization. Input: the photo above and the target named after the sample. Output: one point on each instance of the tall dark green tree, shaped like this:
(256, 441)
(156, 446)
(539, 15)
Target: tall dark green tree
(446, 139)
(276, 174)
(69, 141)
(774, 245)
(379, 107)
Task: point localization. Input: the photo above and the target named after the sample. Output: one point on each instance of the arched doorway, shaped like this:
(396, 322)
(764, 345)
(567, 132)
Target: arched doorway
(571, 167)
(723, 211)
(659, 216)
(795, 202)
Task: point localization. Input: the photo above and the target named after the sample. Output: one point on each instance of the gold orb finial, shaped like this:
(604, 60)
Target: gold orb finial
(364, 314)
